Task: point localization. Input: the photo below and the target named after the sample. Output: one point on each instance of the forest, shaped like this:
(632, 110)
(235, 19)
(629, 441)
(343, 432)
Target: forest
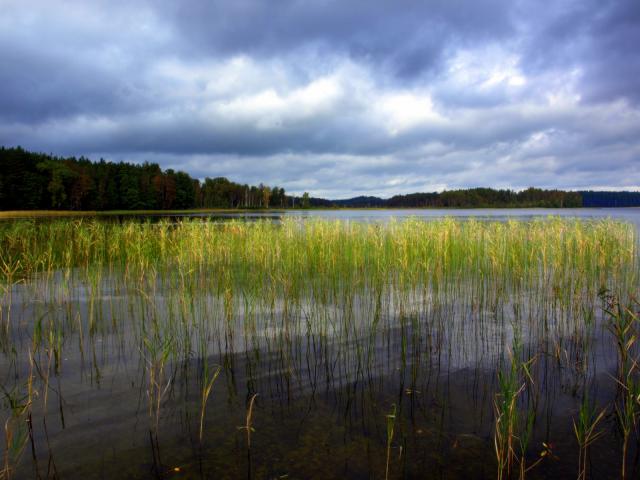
(488, 197)
(36, 181)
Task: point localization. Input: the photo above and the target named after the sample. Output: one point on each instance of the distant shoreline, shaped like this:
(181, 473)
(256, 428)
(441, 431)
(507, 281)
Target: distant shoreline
(106, 213)
(38, 182)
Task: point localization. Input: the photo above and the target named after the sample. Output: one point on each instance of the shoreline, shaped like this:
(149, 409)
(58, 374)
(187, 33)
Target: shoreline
(88, 213)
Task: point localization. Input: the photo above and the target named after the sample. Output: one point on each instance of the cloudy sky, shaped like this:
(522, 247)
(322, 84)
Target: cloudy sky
(338, 98)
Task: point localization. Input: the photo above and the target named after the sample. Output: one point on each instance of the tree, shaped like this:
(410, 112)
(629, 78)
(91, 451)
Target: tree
(305, 200)
(266, 195)
(80, 189)
(184, 191)
(59, 175)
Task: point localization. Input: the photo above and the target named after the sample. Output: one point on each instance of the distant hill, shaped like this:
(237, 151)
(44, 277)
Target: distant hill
(610, 199)
(469, 198)
(490, 198)
(361, 202)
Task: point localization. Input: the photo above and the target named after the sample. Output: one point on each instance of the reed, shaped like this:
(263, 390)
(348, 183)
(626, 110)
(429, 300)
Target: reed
(514, 417)
(157, 352)
(208, 378)
(391, 422)
(18, 427)
(586, 431)
(323, 305)
(623, 324)
(511, 385)
(326, 257)
(248, 425)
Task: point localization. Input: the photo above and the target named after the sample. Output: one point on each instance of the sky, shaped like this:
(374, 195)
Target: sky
(338, 98)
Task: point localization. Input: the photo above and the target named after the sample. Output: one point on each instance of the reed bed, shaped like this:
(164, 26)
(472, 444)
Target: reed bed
(316, 304)
(320, 256)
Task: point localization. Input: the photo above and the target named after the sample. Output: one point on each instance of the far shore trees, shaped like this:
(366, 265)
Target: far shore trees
(33, 181)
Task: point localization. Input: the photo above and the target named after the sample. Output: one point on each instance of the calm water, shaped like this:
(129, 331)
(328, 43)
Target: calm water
(380, 215)
(323, 395)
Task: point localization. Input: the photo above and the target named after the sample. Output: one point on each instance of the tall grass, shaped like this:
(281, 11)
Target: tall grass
(624, 325)
(324, 258)
(586, 431)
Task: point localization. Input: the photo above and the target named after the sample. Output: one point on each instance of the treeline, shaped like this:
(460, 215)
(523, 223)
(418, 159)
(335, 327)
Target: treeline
(610, 199)
(488, 197)
(469, 198)
(492, 198)
(33, 181)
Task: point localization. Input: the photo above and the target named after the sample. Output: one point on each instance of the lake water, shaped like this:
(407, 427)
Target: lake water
(383, 215)
(323, 394)
(631, 214)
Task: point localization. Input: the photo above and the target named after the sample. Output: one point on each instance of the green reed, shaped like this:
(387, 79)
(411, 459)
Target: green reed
(208, 378)
(586, 432)
(325, 257)
(169, 291)
(391, 423)
(624, 324)
(18, 429)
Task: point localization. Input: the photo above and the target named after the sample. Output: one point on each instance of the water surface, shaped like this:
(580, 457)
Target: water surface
(326, 375)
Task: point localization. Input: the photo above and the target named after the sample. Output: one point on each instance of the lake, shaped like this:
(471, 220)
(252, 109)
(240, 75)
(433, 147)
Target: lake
(376, 215)
(323, 348)
(631, 214)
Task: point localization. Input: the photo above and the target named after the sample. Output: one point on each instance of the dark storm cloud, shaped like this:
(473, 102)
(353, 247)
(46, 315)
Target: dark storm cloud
(408, 37)
(334, 97)
(598, 38)
(37, 87)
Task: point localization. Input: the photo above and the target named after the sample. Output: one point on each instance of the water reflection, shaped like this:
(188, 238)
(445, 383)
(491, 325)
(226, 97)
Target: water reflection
(630, 214)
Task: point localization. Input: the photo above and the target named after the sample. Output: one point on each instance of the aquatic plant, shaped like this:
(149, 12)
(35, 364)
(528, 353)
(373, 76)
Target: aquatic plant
(585, 429)
(352, 309)
(248, 426)
(391, 422)
(18, 429)
(208, 378)
(514, 422)
(510, 386)
(156, 354)
(623, 324)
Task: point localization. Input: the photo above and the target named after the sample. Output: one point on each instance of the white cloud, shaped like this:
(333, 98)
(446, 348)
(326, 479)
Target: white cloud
(402, 111)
